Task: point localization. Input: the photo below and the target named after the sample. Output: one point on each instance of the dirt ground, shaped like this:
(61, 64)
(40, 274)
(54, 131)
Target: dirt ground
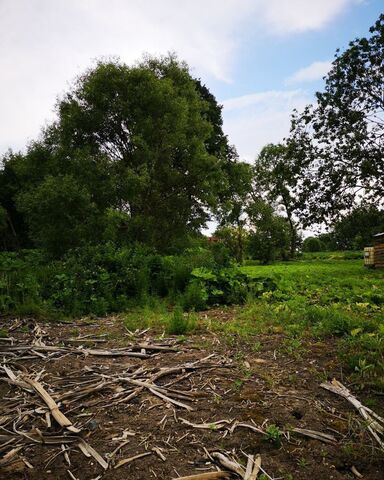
(258, 382)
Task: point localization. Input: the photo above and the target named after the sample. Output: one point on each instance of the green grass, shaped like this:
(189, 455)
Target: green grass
(327, 297)
(157, 314)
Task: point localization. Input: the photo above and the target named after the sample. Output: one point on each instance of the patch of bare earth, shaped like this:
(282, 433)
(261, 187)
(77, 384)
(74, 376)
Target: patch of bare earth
(144, 406)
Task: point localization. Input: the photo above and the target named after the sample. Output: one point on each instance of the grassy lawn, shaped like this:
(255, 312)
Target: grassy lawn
(320, 297)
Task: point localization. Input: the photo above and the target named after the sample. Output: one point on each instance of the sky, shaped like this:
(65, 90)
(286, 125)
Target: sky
(260, 58)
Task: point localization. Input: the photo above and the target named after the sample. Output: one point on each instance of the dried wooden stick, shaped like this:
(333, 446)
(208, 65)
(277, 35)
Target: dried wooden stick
(60, 418)
(323, 437)
(170, 400)
(207, 426)
(256, 468)
(206, 476)
(131, 459)
(91, 452)
(229, 464)
(248, 471)
(375, 423)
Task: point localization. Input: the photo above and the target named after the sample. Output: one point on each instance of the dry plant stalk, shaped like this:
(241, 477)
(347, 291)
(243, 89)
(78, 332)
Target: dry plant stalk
(206, 476)
(375, 423)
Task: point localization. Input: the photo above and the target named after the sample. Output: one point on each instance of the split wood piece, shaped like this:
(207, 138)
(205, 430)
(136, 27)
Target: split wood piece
(248, 470)
(131, 459)
(207, 426)
(155, 390)
(119, 447)
(10, 456)
(246, 425)
(356, 472)
(113, 353)
(14, 380)
(84, 340)
(229, 464)
(375, 423)
(256, 468)
(83, 392)
(323, 437)
(91, 452)
(155, 348)
(60, 418)
(159, 453)
(4, 349)
(206, 476)
(170, 400)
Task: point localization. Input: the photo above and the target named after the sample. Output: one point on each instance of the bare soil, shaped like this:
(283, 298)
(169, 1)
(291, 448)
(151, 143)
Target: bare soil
(260, 382)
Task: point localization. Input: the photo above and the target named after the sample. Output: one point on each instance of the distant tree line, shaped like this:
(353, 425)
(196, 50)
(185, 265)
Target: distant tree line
(137, 155)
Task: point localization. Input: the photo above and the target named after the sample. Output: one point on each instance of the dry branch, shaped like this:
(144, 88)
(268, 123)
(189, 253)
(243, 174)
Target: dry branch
(60, 418)
(206, 476)
(131, 459)
(375, 423)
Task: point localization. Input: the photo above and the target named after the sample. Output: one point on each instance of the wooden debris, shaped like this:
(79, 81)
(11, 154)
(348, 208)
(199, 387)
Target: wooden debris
(60, 418)
(248, 471)
(323, 437)
(356, 472)
(228, 463)
(375, 423)
(125, 461)
(206, 476)
(220, 424)
(256, 468)
(90, 451)
(39, 400)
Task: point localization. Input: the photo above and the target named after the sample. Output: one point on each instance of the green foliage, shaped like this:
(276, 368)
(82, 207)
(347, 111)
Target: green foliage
(274, 435)
(338, 143)
(60, 214)
(274, 177)
(105, 278)
(224, 286)
(269, 238)
(313, 244)
(355, 230)
(331, 296)
(157, 163)
(179, 323)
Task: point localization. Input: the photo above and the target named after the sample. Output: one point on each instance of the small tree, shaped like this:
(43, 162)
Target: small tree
(313, 244)
(274, 179)
(269, 236)
(60, 214)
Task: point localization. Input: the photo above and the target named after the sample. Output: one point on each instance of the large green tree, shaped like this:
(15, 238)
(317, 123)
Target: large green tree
(145, 141)
(275, 176)
(338, 143)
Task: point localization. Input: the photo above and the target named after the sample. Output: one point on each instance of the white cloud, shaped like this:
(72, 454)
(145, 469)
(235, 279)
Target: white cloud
(254, 120)
(294, 16)
(44, 44)
(315, 71)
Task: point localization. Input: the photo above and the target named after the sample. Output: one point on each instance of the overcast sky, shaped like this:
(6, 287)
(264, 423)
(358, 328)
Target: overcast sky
(260, 58)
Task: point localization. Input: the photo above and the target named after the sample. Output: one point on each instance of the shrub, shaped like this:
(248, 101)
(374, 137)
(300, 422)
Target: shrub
(313, 244)
(178, 324)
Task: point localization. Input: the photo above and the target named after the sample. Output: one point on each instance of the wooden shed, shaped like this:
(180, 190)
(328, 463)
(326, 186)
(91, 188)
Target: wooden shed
(378, 250)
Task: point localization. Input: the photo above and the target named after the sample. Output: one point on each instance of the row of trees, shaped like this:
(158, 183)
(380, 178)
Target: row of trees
(330, 170)
(138, 154)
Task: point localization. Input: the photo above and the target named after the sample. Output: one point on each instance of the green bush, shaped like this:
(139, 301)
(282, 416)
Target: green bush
(178, 324)
(313, 244)
(102, 279)
(222, 286)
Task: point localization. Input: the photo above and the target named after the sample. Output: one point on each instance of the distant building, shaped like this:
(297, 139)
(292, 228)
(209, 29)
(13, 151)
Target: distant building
(374, 256)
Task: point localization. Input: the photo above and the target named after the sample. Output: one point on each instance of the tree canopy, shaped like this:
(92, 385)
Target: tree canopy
(338, 142)
(145, 141)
